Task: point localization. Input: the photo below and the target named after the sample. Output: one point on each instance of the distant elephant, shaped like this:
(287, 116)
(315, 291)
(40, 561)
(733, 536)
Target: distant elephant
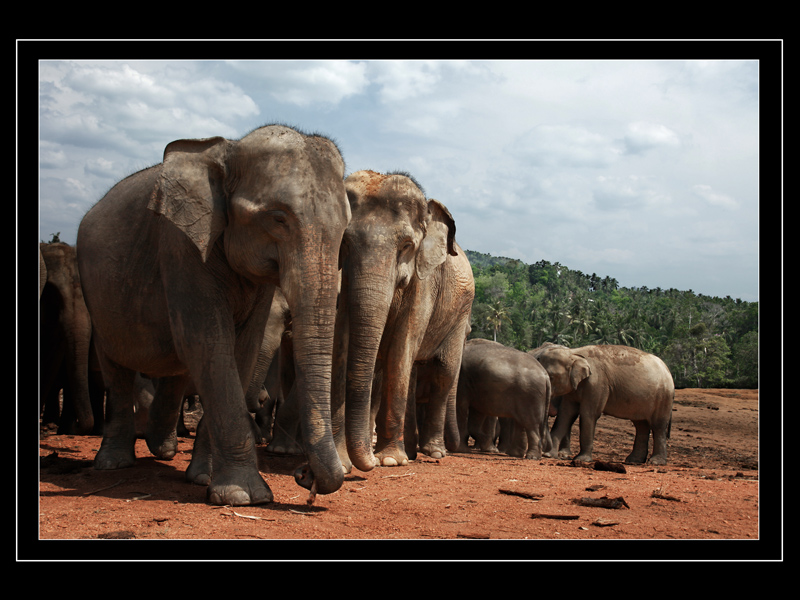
(178, 264)
(406, 298)
(498, 381)
(65, 334)
(42, 272)
(620, 381)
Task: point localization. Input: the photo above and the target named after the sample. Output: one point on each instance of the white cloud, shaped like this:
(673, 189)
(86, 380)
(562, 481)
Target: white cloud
(714, 198)
(566, 146)
(627, 193)
(304, 83)
(642, 136)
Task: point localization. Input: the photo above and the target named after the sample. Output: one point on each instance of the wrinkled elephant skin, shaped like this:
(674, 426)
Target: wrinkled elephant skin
(620, 381)
(407, 292)
(498, 381)
(176, 263)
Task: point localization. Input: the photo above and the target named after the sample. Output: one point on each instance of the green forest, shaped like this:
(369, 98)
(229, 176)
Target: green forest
(706, 341)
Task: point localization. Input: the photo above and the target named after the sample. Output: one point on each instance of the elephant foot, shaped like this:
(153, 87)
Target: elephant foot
(252, 490)
(390, 453)
(284, 450)
(533, 455)
(636, 459)
(199, 470)
(392, 460)
(163, 448)
(114, 456)
(434, 450)
(657, 460)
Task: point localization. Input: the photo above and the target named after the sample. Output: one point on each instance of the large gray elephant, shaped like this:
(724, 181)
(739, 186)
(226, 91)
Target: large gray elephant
(406, 297)
(65, 334)
(620, 381)
(498, 381)
(176, 262)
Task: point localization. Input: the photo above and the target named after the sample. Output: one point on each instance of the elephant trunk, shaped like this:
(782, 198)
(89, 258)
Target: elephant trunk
(370, 297)
(311, 295)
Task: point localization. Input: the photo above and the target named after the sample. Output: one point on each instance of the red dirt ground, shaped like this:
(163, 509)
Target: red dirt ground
(710, 490)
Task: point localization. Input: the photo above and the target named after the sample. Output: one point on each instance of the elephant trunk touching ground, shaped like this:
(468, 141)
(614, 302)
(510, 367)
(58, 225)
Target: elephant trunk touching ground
(179, 261)
(370, 294)
(312, 298)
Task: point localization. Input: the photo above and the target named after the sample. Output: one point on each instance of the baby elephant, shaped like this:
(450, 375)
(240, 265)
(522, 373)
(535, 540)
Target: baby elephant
(498, 381)
(615, 380)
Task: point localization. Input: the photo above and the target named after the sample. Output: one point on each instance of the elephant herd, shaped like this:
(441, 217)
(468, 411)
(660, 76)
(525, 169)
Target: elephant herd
(251, 271)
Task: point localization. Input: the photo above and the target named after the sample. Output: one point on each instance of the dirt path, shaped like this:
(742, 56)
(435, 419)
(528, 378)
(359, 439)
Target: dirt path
(710, 490)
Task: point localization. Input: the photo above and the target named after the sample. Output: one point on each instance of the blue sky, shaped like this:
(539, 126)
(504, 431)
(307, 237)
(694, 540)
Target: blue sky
(643, 170)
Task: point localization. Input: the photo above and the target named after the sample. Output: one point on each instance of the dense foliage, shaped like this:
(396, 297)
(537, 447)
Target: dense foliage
(706, 341)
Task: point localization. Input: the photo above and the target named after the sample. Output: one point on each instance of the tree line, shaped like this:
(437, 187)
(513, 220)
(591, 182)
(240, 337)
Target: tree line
(706, 341)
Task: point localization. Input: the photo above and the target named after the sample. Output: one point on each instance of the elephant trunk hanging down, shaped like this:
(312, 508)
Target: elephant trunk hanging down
(178, 263)
(406, 298)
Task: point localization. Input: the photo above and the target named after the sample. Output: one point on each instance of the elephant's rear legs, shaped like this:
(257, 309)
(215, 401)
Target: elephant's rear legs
(641, 442)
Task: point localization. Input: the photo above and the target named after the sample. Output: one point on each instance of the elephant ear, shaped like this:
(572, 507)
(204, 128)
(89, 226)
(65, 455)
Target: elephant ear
(579, 371)
(190, 190)
(439, 239)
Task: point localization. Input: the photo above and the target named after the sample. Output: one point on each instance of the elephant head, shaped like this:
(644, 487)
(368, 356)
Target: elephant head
(395, 240)
(275, 201)
(566, 368)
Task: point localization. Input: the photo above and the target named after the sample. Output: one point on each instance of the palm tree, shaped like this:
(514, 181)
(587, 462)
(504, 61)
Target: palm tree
(498, 315)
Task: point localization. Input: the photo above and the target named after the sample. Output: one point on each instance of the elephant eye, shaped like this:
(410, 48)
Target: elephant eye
(277, 223)
(278, 216)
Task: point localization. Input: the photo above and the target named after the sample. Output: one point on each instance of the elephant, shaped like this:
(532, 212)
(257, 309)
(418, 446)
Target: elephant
(499, 381)
(179, 264)
(286, 431)
(615, 380)
(406, 298)
(42, 272)
(65, 336)
(263, 391)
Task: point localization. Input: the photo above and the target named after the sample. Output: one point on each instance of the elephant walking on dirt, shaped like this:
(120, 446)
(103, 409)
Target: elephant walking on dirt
(620, 381)
(498, 381)
(178, 264)
(406, 298)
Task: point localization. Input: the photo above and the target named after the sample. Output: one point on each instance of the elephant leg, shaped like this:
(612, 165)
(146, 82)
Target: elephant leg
(413, 411)
(119, 431)
(443, 395)
(640, 443)
(200, 468)
(286, 437)
(534, 450)
(562, 427)
(390, 419)
(588, 425)
(484, 429)
(265, 416)
(162, 421)
(660, 431)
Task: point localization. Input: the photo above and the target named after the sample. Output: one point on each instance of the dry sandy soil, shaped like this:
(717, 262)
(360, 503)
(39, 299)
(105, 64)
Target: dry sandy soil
(711, 489)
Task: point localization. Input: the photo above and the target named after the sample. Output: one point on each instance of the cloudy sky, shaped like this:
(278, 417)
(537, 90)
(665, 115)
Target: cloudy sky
(643, 170)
